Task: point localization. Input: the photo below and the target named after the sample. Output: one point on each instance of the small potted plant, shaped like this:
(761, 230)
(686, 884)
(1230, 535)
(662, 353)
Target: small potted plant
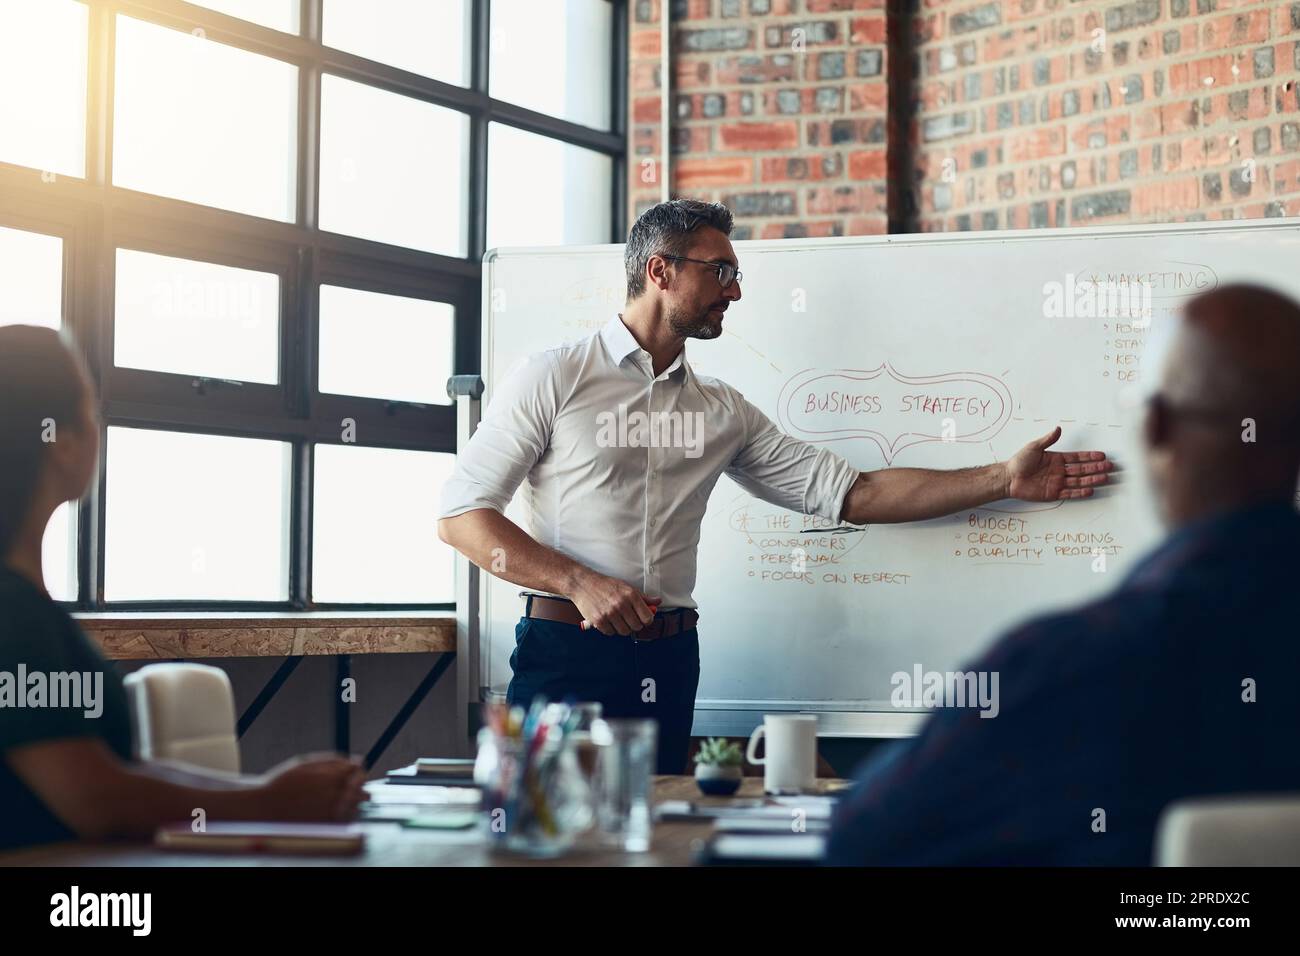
(717, 767)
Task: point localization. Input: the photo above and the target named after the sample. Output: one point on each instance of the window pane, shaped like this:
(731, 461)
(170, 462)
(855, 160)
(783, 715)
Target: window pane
(385, 346)
(31, 293)
(31, 279)
(392, 168)
(43, 85)
(276, 14)
(553, 57)
(543, 192)
(203, 122)
(375, 527)
(59, 553)
(196, 318)
(195, 517)
(426, 38)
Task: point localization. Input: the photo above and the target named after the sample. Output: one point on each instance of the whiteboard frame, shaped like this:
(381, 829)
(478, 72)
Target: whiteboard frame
(721, 717)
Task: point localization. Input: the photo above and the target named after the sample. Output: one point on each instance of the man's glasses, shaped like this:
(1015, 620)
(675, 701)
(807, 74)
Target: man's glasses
(1284, 422)
(727, 273)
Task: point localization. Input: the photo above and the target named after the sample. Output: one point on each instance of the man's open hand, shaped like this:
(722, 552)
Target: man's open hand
(1036, 474)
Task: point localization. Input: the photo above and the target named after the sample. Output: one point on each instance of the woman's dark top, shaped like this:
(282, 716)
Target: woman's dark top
(54, 685)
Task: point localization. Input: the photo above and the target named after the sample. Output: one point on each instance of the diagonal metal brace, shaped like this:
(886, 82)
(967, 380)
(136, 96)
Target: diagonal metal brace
(264, 696)
(412, 702)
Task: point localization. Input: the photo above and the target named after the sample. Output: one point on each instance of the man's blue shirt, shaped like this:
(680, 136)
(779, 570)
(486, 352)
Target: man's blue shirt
(1107, 714)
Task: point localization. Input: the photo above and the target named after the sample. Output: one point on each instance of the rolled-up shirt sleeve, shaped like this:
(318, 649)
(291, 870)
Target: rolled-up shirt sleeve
(789, 472)
(512, 436)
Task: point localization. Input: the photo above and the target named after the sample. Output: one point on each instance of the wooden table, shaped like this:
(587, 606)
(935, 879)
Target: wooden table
(292, 637)
(388, 844)
(199, 636)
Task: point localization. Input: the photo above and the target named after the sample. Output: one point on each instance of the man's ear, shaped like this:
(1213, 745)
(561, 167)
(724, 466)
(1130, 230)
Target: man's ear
(657, 272)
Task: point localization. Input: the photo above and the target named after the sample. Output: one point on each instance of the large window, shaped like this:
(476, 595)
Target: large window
(392, 168)
(196, 318)
(194, 517)
(554, 57)
(43, 85)
(263, 222)
(434, 40)
(203, 121)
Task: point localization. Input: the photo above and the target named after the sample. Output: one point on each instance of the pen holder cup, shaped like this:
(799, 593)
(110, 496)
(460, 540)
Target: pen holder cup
(535, 801)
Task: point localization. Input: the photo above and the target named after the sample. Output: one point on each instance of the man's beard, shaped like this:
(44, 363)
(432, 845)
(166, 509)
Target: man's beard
(688, 325)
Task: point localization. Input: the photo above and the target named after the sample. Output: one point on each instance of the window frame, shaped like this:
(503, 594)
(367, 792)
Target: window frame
(94, 218)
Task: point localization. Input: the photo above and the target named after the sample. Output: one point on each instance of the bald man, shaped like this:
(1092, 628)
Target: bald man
(1179, 684)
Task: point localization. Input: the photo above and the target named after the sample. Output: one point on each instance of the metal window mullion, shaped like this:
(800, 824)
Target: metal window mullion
(480, 45)
(304, 458)
(79, 291)
(223, 28)
(392, 79)
(298, 335)
(311, 20)
(101, 289)
(309, 122)
(620, 81)
(307, 407)
(301, 313)
(414, 259)
(567, 131)
(201, 421)
(478, 172)
(99, 96)
(378, 425)
(388, 278)
(90, 292)
(480, 52)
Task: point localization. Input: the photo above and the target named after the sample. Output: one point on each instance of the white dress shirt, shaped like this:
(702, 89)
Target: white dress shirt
(618, 464)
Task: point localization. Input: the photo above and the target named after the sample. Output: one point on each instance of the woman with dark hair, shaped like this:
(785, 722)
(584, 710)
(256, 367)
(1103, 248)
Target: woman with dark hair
(68, 771)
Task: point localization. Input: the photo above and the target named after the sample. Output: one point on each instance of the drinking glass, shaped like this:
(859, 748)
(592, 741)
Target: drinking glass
(624, 764)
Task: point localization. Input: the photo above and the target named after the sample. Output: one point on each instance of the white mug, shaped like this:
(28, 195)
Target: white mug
(790, 764)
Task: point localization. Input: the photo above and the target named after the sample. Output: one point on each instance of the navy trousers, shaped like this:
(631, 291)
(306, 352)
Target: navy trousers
(655, 679)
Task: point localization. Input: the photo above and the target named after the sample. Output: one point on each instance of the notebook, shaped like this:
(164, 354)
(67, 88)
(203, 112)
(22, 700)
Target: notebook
(447, 771)
(740, 849)
(232, 837)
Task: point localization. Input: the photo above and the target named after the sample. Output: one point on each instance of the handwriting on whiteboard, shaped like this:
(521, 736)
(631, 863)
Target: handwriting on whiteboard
(893, 410)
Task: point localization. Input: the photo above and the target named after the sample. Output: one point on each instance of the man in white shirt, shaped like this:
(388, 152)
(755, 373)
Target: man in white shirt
(618, 444)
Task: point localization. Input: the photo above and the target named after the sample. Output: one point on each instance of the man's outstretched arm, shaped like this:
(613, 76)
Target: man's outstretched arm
(1033, 474)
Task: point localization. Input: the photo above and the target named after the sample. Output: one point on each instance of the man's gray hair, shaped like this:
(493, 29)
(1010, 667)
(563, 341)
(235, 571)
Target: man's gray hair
(665, 230)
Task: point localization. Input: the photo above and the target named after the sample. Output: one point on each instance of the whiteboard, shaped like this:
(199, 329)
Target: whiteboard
(933, 351)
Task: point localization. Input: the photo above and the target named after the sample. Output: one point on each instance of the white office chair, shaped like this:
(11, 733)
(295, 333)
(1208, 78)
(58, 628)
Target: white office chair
(184, 713)
(1255, 830)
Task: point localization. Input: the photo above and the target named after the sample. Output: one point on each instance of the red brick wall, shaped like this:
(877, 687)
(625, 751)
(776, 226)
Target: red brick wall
(1029, 113)
(778, 111)
(1174, 110)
